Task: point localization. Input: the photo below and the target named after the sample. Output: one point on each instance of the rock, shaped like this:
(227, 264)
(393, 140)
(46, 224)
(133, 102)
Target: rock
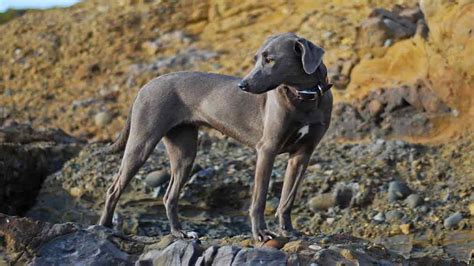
(150, 47)
(471, 209)
(295, 246)
(398, 191)
(340, 81)
(180, 252)
(261, 256)
(277, 242)
(103, 118)
(80, 247)
(39, 243)
(383, 25)
(405, 228)
(375, 107)
(322, 202)
(393, 216)
(414, 200)
(453, 220)
(379, 217)
(157, 178)
(225, 255)
(27, 157)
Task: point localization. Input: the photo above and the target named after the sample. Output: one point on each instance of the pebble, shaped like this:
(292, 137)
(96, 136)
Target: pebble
(414, 200)
(330, 220)
(379, 217)
(322, 202)
(452, 220)
(405, 228)
(157, 178)
(398, 191)
(277, 242)
(103, 118)
(471, 209)
(393, 216)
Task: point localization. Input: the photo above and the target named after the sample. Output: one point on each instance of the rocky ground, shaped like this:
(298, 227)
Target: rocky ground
(392, 181)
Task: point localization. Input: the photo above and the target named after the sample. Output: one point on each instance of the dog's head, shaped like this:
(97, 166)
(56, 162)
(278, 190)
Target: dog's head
(283, 59)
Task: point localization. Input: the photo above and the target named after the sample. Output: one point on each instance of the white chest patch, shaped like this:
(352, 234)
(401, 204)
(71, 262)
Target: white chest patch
(302, 132)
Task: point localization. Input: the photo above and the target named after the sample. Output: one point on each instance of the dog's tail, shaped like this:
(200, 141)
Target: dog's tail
(120, 143)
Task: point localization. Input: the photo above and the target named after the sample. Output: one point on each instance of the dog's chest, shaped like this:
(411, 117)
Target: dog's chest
(301, 133)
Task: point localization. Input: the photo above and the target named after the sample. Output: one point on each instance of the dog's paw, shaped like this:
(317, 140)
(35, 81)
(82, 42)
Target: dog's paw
(184, 234)
(264, 235)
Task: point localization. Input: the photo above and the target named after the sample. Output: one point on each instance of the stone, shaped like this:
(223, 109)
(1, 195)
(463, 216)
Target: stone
(471, 209)
(157, 178)
(379, 217)
(260, 256)
(82, 248)
(375, 107)
(398, 191)
(150, 47)
(103, 118)
(180, 252)
(393, 216)
(453, 220)
(405, 228)
(295, 246)
(322, 202)
(225, 255)
(414, 200)
(277, 242)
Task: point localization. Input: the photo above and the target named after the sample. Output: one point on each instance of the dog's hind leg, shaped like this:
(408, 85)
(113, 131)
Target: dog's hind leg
(144, 135)
(181, 145)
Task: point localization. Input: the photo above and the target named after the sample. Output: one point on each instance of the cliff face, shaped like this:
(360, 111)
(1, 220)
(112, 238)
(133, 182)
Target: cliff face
(80, 68)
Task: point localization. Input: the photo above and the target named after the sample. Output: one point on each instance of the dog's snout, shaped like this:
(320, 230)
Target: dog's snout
(243, 85)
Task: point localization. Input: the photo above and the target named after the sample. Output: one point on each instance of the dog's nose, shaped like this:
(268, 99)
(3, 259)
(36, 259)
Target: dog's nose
(243, 85)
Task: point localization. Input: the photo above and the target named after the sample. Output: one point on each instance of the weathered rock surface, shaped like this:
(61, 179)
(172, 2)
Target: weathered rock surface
(28, 241)
(27, 157)
(407, 110)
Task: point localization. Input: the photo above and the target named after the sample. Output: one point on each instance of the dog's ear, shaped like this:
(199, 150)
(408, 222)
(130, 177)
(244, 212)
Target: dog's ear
(311, 54)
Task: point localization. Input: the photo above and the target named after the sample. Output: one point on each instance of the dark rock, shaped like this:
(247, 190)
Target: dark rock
(379, 217)
(180, 252)
(225, 255)
(27, 156)
(393, 216)
(261, 256)
(322, 202)
(453, 220)
(80, 247)
(414, 200)
(385, 25)
(157, 178)
(398, 191)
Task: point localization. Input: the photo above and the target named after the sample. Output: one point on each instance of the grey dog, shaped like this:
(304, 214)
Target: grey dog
(283, 105)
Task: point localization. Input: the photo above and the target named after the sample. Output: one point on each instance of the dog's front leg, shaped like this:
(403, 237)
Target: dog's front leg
(265, 157)
(295, 171)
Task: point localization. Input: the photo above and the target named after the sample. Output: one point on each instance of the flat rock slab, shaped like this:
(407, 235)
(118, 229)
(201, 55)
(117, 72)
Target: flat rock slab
(25, 241)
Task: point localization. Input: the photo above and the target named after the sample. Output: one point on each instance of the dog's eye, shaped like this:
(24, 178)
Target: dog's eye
(269, 60)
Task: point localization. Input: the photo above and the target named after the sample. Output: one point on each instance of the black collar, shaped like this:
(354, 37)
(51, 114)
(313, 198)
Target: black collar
(314, 93)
